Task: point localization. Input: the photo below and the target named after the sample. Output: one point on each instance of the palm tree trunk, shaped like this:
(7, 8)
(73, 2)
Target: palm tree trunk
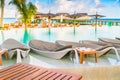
(2, 12)
(25, 24)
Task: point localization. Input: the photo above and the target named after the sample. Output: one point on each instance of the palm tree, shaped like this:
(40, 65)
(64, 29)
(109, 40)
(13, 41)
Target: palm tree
(27, 11)
(2, 11)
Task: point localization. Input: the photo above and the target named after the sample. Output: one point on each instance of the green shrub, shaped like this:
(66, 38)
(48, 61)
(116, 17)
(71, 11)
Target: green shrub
(0, 28)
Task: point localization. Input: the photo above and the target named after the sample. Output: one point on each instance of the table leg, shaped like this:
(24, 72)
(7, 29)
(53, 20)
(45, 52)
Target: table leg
(81, 57)
(0, 60)
(96, 57)
(6, 55)
(87, 57)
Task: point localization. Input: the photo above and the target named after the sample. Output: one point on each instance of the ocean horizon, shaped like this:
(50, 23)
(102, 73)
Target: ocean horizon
(9, 20)
(12, 20)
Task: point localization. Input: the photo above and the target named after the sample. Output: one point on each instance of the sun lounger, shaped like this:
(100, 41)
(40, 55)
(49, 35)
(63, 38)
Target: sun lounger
(101, 47)
(117, 38)
(111, 41)
(49, 49)
(12, 46)
(22, 71)
(73, 54)
(115, 43)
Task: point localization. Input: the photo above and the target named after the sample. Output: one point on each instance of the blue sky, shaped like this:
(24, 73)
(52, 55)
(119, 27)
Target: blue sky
(109, 8)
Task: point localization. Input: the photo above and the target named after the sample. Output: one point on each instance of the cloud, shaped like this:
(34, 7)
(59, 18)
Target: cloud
(41, 7)
(97, 2)
(96, 10)
(99, 6)
(9, 10)
(64, 5)
(68, 6)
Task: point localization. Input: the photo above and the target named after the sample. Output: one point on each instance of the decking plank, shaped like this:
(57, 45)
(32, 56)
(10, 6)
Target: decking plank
(10, 70)
(48, 76)
(34, 75)
(10, 67)
(22, 71)
(67, 77)
(42, 76)
(55, 76)
(61, 77)
(23, 77)
(14, 72)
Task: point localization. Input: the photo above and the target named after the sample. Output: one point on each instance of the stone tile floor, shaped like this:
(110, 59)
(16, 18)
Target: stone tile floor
(36, 59)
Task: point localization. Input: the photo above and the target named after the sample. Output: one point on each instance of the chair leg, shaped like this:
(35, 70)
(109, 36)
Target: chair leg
(73, 55)
(19, 56)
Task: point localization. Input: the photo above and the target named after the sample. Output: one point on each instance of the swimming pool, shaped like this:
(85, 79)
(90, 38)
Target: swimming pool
(85, 32)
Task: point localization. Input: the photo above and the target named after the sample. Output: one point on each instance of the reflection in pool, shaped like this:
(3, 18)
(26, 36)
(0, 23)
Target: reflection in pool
(65, 33)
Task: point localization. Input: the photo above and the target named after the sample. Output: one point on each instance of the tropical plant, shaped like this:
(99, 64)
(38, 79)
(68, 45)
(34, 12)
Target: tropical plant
(2, 11)
(27, 11)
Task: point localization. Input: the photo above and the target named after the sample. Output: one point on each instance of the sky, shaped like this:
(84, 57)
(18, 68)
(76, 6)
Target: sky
(109, 8)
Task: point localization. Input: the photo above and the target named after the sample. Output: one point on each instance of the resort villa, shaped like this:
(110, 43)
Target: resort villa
(59, 40)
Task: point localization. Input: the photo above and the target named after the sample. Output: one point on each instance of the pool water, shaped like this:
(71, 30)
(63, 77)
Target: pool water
(86, 32)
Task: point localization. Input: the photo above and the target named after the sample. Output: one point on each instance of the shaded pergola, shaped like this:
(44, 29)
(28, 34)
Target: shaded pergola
(44, 15)
(85, 17)
(61, 16)
(40, 16)
(96, 16)
(79, 16)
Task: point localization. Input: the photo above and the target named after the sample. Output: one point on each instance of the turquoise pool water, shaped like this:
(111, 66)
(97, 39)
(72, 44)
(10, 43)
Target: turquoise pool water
(81, 33)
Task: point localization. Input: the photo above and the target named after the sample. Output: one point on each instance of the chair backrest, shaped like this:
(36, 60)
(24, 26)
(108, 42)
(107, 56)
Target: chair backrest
(65, 43)
(42, 45)
(12, 43)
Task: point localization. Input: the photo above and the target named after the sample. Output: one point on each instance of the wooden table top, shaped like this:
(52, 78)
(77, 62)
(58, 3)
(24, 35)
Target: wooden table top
(86, 50)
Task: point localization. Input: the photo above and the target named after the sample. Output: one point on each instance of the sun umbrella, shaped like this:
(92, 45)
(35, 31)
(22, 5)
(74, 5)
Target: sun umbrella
(96, 16)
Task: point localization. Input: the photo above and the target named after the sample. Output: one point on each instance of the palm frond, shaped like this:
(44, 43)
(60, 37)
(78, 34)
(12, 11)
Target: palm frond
(27, 11)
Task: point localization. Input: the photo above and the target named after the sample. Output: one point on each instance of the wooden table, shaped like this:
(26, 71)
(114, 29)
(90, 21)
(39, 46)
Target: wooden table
(3, 51)
(22, 71)
(86, 51)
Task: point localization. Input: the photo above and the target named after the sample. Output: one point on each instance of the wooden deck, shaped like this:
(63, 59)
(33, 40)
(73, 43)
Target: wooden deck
(22, 71)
